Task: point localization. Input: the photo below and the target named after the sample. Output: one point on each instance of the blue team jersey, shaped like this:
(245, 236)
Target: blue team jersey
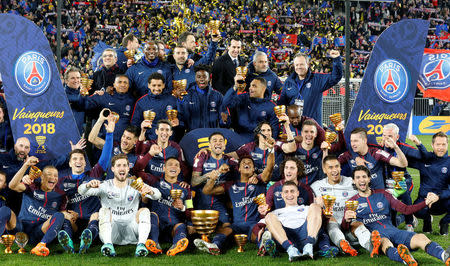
(376, 158)
(242, 195)
(259, 157)
(83, 205)
(163, 207)
(132, 157)
(38, 206)
(3, 196)
(312, 160)
(375, 211)
(204, 164)
(275, 201)
(434, 175)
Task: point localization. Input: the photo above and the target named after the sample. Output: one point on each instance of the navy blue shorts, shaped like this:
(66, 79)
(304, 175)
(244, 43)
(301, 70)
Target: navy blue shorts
(298, 235)
(244, 228)
(32, 229)
(396, 235)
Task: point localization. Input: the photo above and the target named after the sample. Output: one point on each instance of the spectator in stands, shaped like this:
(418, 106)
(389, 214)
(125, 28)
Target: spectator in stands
(305, 88)
(224, 68)
(150, 63)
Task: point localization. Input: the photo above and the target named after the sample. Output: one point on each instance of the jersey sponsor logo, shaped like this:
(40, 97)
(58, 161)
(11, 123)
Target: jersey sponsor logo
(164, 185)
(244, 201)
(32, 73)
(444, 170)
(427, 165)
(323, 189)
(301, 209)
(256, 155)
(155, 168)
(38, 196)
(187, 71)
(5, 166)
(110, 104)
(236, 189)
(40, 212)
(289, 88)
(112, 195)
(391, 81)
(68, 185)
(251, 188)
(140, 73)
(77, 198)
(383, 153)
(374, 217)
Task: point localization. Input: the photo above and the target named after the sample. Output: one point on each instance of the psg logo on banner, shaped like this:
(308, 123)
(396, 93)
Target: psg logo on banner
(391, 81)
(32, 73)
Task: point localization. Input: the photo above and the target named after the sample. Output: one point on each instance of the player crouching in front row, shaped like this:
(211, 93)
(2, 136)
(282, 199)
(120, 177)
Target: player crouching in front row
(120, 220)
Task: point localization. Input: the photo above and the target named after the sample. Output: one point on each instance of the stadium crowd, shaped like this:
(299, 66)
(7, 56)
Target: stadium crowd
(186, 77)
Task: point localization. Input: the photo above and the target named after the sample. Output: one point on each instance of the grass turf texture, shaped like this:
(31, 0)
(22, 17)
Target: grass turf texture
(125, 254)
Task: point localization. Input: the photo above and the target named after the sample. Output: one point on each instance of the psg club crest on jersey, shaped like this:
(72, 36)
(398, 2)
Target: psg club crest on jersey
(32, 73)
(263, 113)
(380, 205)
(54, 204)
(251, 188)
(308, 85)
(213, 104)
(314, 155)
(345, 194)
(159, 71)
(269, 83)
(444, 170)
(300, 201)
(391, 81)
(130, 198)
(169, 107)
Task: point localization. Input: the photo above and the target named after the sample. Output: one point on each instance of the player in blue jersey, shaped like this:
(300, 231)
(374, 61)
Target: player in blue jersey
(242, 191)
(156, 151)
(311, 153)
(213, 164)
(374, 211)
(126, 145)
(8, 218)
(435, 177)
(171, 213)
(86, 207)
(43, 206)
(373, 158)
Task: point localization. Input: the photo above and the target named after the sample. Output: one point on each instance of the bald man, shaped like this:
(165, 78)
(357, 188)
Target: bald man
(296, 120)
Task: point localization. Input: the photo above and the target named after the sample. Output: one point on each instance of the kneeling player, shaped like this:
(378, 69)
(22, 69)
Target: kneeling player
(120, 220)
(374, 211)
(40, 215)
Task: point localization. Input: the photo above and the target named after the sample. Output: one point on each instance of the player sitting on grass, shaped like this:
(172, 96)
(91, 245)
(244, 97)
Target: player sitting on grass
(374, 210)
(121, 221)
(42, 213)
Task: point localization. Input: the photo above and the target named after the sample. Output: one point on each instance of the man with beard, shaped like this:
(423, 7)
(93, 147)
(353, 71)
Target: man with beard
(120, 102)
(156, 151)
(187, 39)
(43, 207)
(374, 211)
(155, 100)
(202, 106)
(121, 221)
(305, 88)
(252, 107)
(140, 72)
(207, 164)
(86, 207)
(294, 112)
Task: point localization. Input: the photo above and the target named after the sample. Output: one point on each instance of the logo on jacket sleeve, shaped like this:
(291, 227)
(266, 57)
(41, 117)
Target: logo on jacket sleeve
(391, 81)
(32, 73)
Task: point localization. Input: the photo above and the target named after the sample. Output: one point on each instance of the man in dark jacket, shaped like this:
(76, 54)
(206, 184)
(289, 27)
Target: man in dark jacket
(104, 77)
(202, 106)
(72, 79)
(224, 68)
(305, 88)
(259, 67)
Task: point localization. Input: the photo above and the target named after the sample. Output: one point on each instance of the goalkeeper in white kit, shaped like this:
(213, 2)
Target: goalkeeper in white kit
(121, 221)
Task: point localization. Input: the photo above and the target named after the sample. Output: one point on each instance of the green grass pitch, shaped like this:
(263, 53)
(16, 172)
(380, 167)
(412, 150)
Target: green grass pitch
(231, 256)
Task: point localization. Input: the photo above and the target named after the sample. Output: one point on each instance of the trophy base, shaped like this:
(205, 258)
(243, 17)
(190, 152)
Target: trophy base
(205, 238)
(240, 249)
(8, 251)
(22, 251)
